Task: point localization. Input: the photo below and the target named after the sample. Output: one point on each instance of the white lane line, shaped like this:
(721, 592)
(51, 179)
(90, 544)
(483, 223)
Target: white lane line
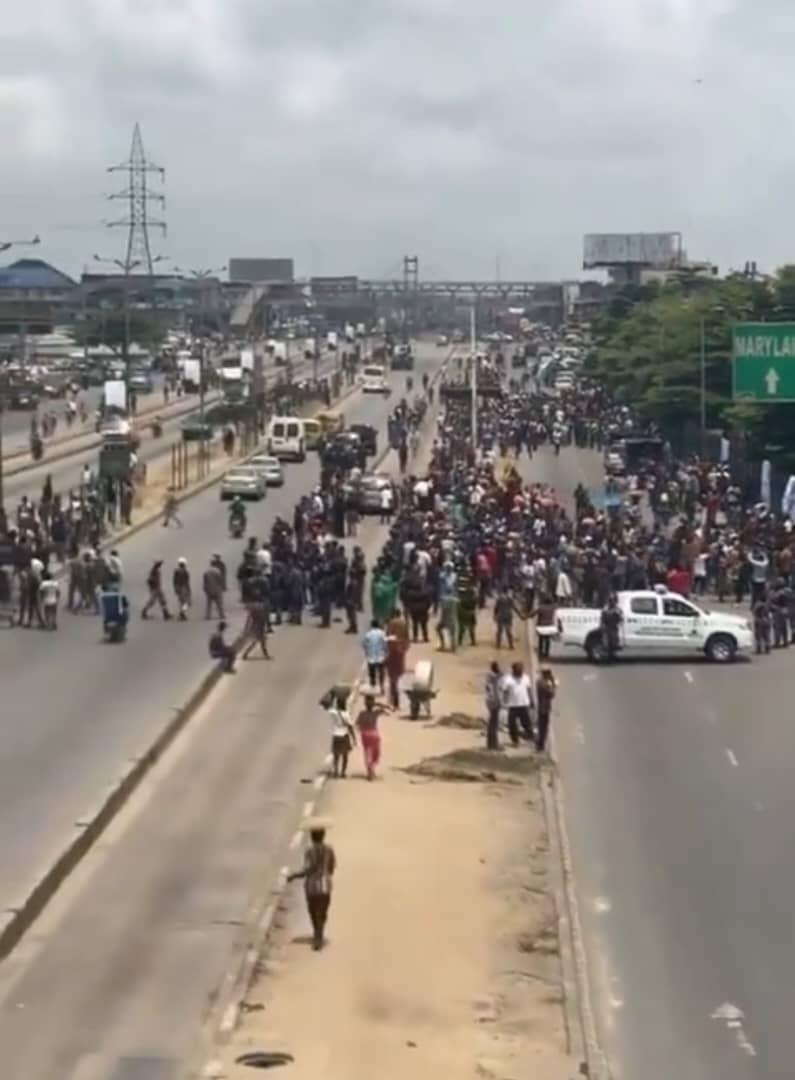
(590, 676)
(296, 840)
(730, 754)
(689, 676)
(308, 808)
(579, 734)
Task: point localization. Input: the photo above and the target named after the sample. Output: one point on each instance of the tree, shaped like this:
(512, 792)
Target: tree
(648, 351)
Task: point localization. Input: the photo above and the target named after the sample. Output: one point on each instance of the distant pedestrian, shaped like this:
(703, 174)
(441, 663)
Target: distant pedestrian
(516, 693)
(493, 696)
(367, 723)
(375, 648)
(170, 504)
(320, 863)
(546, 687)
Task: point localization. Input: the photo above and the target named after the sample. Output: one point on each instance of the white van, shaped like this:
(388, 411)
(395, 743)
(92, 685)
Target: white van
(374, 379)
(286, 438)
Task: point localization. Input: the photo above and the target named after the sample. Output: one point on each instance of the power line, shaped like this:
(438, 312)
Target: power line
(138, 196)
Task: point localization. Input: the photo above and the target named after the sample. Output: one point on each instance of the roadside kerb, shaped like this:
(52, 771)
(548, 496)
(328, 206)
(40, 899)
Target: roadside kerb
(579, 1016)
(16, 921)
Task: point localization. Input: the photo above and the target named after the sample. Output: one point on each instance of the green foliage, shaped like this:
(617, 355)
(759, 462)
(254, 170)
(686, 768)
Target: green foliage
(648, 351)
(110, 329)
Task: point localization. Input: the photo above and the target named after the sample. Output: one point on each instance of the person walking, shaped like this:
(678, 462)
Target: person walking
(50, 595)
(367, 724)
(213, 584)
(375, 648)
(320, 864)
(180, 581)
(546, 687)
(503, 617)
(154, 583)
(170, 504)
(343, 735)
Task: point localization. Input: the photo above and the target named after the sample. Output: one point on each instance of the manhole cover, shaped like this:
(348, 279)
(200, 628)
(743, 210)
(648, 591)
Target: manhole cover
(263, 1059)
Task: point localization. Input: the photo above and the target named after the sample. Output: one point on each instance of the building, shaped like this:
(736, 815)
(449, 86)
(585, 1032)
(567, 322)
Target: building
(33, 296)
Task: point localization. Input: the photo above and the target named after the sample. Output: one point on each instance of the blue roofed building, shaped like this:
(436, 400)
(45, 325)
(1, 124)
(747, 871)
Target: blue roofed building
(34, 279)
(34, 296)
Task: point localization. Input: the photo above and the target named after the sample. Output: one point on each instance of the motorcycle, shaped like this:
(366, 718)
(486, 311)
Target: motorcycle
(115, 616)
(237, 526)
(156, 427)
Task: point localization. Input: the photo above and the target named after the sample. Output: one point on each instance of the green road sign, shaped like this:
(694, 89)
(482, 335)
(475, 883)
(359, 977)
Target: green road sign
(764, 362)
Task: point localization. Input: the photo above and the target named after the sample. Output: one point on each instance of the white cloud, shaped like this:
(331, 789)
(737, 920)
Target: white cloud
(31, 121)
(451, 127)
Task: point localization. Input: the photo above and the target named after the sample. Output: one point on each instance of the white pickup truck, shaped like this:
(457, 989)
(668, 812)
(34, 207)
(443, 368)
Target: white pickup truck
(658, 623)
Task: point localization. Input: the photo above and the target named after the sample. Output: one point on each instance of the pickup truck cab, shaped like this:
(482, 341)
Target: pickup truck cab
(658, 623)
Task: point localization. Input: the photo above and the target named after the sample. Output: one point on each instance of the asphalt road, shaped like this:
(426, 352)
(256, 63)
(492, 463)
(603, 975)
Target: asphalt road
(679, 800)
(76, 710)
(16, 422)
(67, 472)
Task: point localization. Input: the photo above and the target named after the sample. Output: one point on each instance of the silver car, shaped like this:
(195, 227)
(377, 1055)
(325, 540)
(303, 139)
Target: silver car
(269, 467)
(245, 481)
(370, 488)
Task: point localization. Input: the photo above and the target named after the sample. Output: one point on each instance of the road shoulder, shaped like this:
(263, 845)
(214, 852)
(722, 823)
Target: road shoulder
(443, 953)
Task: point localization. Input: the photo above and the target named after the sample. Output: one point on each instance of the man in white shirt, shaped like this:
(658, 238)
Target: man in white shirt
(518, 700)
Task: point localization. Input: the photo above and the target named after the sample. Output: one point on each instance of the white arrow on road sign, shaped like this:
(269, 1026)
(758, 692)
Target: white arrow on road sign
(771, 381)
(727, 1011)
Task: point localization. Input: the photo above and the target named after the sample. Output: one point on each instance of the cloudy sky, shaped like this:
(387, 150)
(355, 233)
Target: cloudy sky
(347, 133)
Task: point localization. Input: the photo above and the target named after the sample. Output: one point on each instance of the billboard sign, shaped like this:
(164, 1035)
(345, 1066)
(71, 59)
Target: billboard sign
(764, 362)
(260, 270)
(648, 249)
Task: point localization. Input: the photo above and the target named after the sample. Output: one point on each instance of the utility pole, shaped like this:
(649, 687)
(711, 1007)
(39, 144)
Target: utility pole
(4, 246)
(411, 284)
(473, 375)
(201, 276)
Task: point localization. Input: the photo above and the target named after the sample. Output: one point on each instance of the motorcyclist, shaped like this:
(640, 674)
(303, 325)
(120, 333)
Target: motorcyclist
(237, 514)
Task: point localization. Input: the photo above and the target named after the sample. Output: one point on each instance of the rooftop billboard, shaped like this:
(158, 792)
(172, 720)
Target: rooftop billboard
(648, 249)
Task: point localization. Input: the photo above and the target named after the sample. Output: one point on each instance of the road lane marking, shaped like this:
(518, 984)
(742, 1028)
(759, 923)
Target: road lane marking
(590, 676)
(296, 840)
(689, 676)
(308, 808)
(602, 905)
(730, 754)
(579, 734)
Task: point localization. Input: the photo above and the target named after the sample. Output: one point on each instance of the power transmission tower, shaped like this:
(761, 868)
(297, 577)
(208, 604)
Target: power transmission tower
(411, 283)
(138, 196)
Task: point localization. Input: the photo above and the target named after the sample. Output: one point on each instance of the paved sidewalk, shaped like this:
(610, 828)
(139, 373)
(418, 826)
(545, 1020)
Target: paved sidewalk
(442, 958)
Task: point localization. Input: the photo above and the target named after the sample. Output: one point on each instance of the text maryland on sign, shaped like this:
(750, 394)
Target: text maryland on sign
(765, 341)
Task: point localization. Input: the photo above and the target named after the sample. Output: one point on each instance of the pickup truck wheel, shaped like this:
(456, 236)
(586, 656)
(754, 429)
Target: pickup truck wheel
(595, 648)
(721, 648)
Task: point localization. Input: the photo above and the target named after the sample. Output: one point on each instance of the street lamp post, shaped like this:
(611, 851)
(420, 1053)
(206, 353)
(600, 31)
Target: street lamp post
(127, 269)
(473, 375)
(201, 275)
